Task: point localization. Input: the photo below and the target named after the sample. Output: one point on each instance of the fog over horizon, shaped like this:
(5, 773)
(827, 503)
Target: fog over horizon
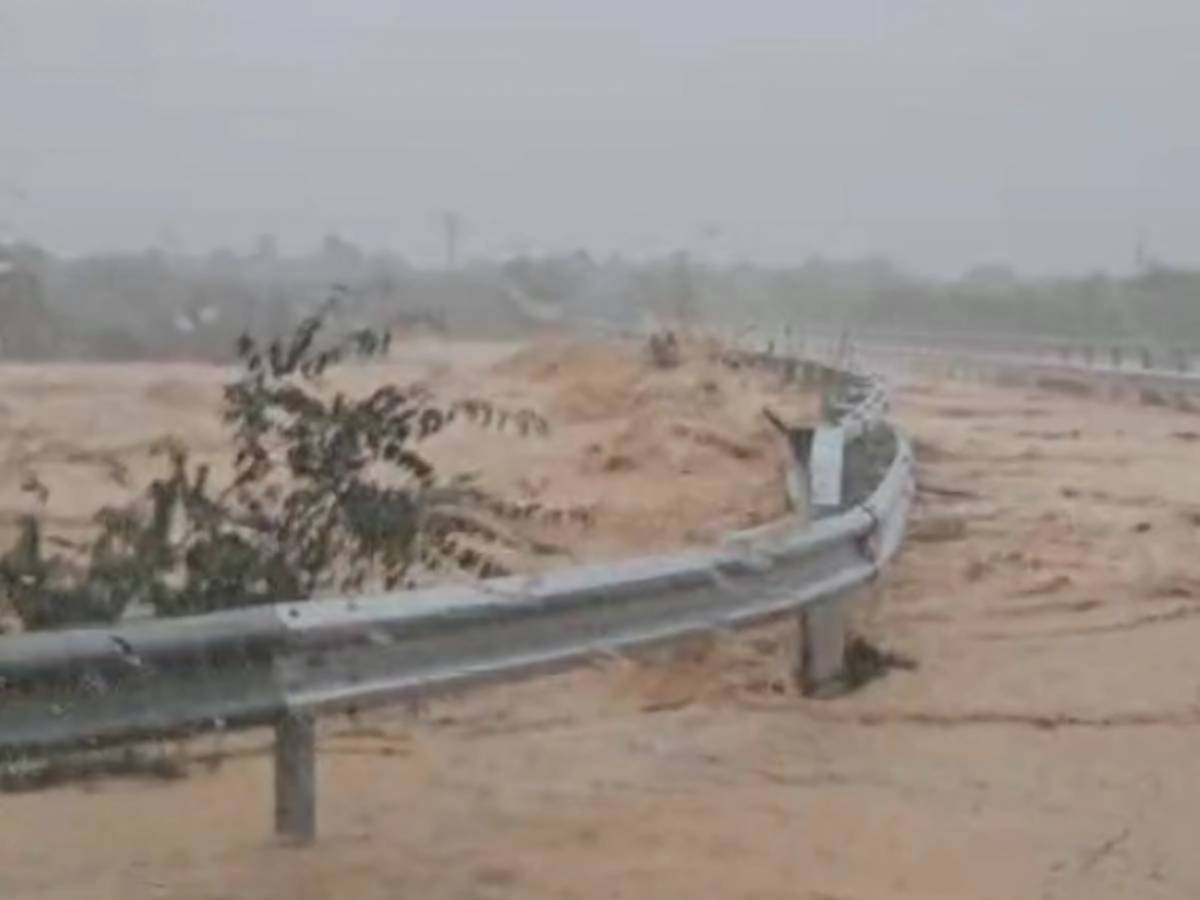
(1053, 136)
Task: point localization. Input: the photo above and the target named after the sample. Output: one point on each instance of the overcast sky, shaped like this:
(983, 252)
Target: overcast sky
(1044, 133)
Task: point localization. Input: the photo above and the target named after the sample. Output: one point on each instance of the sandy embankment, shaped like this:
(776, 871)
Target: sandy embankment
(1045, 747)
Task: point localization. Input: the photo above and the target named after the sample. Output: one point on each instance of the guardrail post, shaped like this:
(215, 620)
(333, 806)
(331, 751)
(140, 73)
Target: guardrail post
(295, 777)
(822, 660)
(826, 463)
(799, 479)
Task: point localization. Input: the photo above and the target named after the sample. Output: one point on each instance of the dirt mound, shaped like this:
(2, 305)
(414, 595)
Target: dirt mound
(584, 381)
(663, 456)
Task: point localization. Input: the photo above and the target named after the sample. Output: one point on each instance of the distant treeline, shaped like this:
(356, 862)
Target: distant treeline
(157, 305)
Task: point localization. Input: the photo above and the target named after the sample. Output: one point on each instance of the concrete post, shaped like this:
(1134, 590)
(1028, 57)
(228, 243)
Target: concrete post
(295, 778)
(821, 668)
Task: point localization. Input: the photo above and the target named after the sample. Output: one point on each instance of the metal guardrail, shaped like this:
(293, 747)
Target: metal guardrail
(1126, 357)
(1166, 374)
(1085, 363)
(1126, 353)
(284, 664)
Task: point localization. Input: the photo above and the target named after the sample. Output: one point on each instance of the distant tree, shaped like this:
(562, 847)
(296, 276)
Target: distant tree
(339, 253)
(28, 329)
(266, 248)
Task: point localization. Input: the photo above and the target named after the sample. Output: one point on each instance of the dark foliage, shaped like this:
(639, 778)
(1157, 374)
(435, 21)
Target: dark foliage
(329, 493)
(663, 349)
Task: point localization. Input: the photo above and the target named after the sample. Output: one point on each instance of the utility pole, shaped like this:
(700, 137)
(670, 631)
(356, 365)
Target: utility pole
(452, 224)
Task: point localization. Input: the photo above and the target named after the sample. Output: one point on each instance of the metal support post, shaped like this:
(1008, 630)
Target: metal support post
(295, 778)
(822, 663)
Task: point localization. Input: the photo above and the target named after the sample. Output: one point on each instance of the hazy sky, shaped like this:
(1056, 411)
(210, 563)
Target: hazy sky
(1045, 133)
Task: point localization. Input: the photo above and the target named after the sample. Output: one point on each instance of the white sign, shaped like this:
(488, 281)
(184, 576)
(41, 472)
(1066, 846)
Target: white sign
(825, 465)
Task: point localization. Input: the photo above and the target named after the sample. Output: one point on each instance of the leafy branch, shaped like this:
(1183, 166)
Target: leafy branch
(328, 493)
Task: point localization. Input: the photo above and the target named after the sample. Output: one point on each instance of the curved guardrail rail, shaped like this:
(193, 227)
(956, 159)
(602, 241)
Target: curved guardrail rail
(1171, 374)
(1123, 353)
(284, 664)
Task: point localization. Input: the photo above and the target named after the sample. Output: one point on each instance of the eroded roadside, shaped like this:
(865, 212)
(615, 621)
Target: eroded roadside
(1045, 746)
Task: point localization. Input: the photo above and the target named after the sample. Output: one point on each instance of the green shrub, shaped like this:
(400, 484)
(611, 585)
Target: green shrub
(329, 493)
